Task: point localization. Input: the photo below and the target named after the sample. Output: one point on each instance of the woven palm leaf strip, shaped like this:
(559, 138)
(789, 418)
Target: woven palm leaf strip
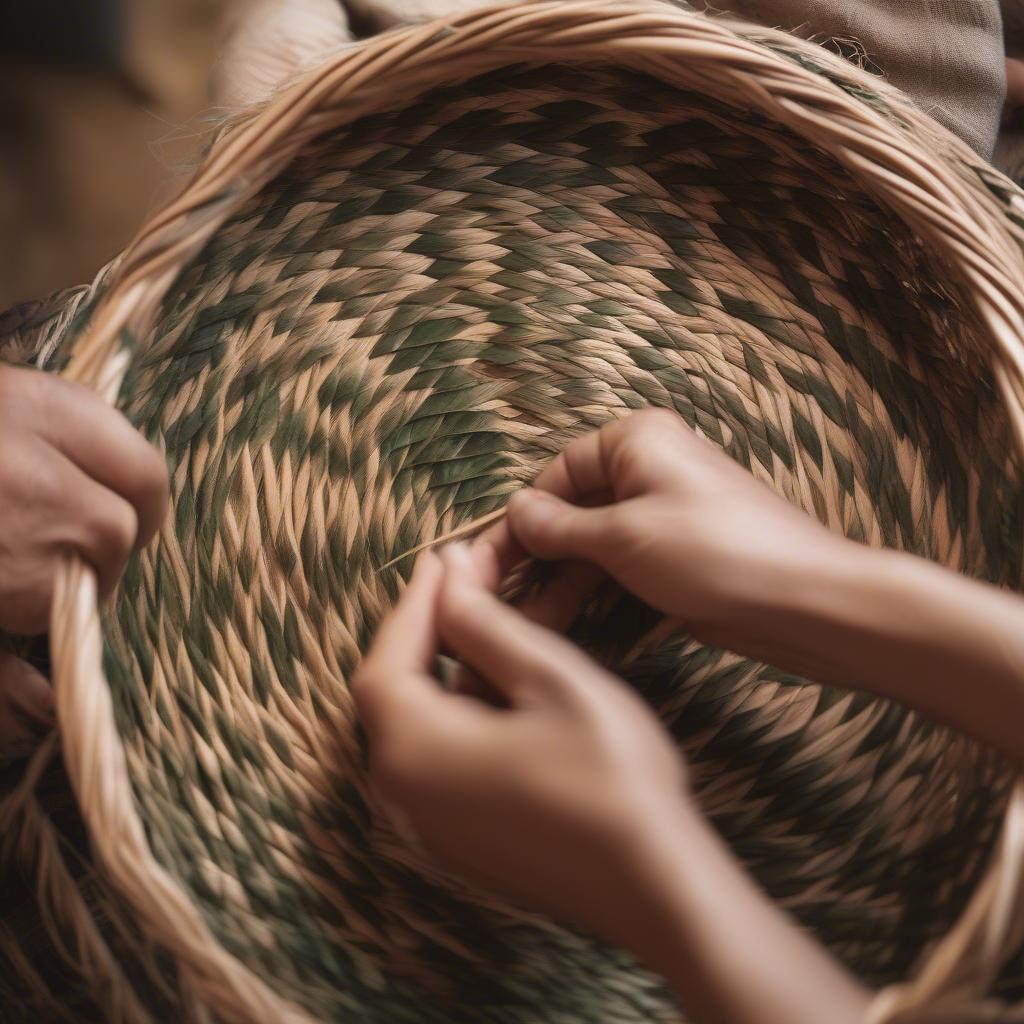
(397, 290)
(29, 332)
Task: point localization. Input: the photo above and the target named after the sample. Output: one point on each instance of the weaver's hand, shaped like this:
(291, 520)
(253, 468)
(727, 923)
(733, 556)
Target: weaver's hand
(547, 800)
(682, 526)
(1014, 88)
(74, 476)
(572, 800)
(666, 514)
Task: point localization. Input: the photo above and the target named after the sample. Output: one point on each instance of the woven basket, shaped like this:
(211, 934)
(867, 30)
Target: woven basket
(382, 303)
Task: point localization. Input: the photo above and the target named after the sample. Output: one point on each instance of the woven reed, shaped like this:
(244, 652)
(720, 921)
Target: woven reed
(380, 305)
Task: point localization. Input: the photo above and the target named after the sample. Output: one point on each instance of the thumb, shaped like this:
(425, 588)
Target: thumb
(550, 528)
(26, 705)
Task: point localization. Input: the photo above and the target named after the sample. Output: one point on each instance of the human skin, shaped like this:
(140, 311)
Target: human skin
(1014, 86)
(74, 477)
(602, 832)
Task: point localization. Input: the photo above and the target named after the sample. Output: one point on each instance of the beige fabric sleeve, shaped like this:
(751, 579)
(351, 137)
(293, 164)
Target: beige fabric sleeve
(947, 54)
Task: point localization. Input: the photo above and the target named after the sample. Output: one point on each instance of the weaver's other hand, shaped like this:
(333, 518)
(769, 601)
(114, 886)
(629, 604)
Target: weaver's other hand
(74, 476)
(666, 514)
(547, 800)
(1014, 88)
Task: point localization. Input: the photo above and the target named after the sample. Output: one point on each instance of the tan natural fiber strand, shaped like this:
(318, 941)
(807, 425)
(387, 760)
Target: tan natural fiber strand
(100, 777)
(461, 533)
(953, 983)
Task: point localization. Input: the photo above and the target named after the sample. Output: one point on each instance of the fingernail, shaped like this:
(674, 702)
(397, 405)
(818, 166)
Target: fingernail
(423, 559)
(457, 556)
(519, 501)
(527, 496)
(532, 504)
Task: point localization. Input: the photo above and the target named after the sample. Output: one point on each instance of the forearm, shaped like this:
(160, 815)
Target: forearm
(905, 629)
(731, 956)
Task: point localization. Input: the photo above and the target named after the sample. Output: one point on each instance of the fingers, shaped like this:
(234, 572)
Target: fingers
(588, 471)
(410, 722)
(397, 667)
(593, 470)
(407, 640)
(579, 474)
(408, 718)
(560, 599)
(486, 557)
(577, 477)
(498, 547)
(521, 659)
(581, 470)
(104, 527)
(484, 566)
(1014, 84)
(105, 446)
(550, 528)
(555, 605)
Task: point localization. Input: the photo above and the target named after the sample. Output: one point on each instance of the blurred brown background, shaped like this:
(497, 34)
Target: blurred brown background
(80, 154)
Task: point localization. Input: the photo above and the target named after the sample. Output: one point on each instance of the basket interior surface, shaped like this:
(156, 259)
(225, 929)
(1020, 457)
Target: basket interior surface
(385, 343)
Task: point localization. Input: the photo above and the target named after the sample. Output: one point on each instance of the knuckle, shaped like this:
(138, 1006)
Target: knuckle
(662, 416)
(46, 485)
(655, 422)
(544, 663)
(113, 526)
(620, 522)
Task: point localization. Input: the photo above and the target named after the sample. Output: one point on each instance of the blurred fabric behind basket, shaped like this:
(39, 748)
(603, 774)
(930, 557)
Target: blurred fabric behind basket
(383, 302)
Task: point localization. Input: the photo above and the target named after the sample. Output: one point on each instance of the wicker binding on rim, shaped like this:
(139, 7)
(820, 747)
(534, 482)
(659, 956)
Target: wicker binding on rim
(693, 295)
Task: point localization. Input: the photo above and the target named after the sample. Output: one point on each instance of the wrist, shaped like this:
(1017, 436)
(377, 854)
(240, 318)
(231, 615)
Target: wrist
(900, 627)
(720, 943)
(811, 612)
(822, 580)
(659, 859)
